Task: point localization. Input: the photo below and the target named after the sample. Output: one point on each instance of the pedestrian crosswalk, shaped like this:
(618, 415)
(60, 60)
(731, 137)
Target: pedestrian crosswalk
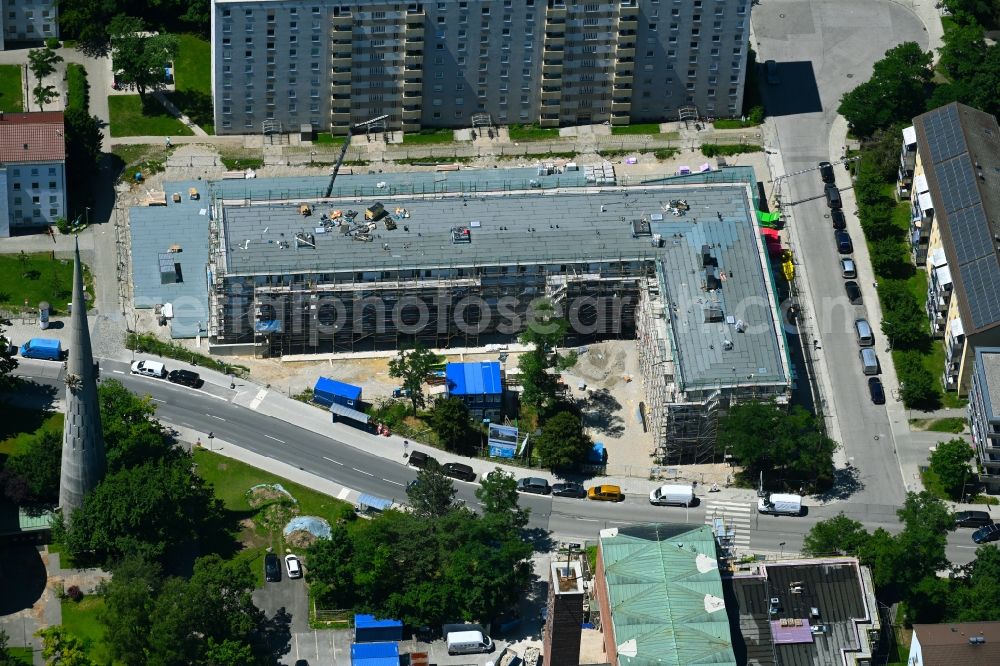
(736, 516)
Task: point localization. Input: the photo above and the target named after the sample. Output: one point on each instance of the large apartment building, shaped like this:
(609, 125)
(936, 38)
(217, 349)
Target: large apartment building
(984, 415)
(28, 21)
(32, 170)
(955, 229)
(282, 64)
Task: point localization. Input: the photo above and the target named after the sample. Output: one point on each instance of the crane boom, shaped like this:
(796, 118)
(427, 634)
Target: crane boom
(343, 150)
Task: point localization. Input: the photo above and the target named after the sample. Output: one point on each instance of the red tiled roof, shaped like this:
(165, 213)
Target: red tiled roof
(32, 137)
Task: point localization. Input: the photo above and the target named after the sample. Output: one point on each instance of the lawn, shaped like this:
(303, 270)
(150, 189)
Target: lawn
(638, 128)
(429, 136)
(733, 123)
(129, 118)
(953, 424)
(193, 79)
(22, 655)
(532, 133)
(18, 425)
(11, 97)
(80, 619)
(39, 278)
(327, 138)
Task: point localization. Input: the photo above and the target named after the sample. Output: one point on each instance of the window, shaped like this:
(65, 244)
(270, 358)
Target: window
(52, 184)
(34, 186)
(17, 187)
(53, 199)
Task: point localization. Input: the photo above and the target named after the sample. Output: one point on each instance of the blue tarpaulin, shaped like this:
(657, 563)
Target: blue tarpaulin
(272, 326)
(474, 378)
(374, 654)
(596, 455)
(373, 502)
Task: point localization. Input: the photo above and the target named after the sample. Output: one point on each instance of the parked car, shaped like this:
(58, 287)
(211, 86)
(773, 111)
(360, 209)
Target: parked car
(458, 471)
(569, 489)
(421, 460)
(293, 566)
(876, 390)
(606, 493)
(535, 485)
(844, 244)
(185, 378)
(848, 268)
(987, 534)
(837, 218)
(272, 569)
(826, 172)
(973, 519)
(771, 70)
(149, 369)
(853, 292)
(833, 198)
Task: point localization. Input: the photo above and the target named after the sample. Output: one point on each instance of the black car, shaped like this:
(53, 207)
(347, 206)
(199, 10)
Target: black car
(272, 568)
(973, 519)
(876, 390)
(185, 378)
(987, 534)
(844, 244)
(826, 172)
(459, 471)
(535, 485)
(853, 292)
(421, 460)
(833, 198)
(838, 219)
(569, 489)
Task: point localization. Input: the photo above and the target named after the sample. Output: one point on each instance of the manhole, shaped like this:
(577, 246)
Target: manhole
(850, 76)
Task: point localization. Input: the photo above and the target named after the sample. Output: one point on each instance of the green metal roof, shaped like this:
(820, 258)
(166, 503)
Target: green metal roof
(666, 596)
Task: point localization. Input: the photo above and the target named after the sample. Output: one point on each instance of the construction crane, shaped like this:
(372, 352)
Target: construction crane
(343, 149)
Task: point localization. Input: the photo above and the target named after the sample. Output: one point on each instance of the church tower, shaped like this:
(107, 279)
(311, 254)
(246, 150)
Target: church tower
(83, 462)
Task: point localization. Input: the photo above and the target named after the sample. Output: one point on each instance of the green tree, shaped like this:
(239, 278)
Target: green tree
(984, 12)
(141, 511)
(545, 331)
(950, 463)
(139, 57)
(8, 362)
(963, 51)
(130, 599)
(61, 648)
(887, 257)
(412, 368)
(895, 93)
(331, 573)
(43, 94)
(977, 589)
(498, 493)
(6, 658)
(42, 62)
(449, 419)
(563, 443)
(132, 435)
(433, 494)
(32, 477)
(229, 652)
(840, 535)
(918, 387)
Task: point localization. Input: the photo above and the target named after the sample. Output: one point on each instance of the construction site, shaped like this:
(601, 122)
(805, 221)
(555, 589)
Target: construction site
(460, 259)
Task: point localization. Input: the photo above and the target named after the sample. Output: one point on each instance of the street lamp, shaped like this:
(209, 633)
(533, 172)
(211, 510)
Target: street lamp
(780, 545)
(211, 436)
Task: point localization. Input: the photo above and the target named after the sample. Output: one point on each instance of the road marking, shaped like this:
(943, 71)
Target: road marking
(158, 400)
(215, 417)
(362, 471)
(186, 425)
(395, 483)
(275, 439)
(737, 516)
(589, 520)
(343, 493)
(259, 398)
(118, 372)
(332, 460)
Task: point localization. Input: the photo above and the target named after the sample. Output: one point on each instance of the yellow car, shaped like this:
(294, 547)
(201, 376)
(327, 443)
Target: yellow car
(606, 493)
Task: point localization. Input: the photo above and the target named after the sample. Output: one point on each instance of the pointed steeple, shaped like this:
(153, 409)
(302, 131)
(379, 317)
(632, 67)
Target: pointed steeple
(83, 462)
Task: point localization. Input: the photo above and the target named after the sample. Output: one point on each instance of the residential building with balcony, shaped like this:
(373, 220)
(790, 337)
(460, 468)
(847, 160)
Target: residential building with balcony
(956, 230)
(32, 170)
(984, 415)
(331, 63)
(907, 161)
(28, 21)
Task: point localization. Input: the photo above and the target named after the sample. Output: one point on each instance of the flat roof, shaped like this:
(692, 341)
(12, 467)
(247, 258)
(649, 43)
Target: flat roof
(834, 589)
(988, 364)
(555, 227)
(477, 378)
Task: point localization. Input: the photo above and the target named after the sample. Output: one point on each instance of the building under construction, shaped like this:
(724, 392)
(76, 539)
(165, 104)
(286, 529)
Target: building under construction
(677, 264)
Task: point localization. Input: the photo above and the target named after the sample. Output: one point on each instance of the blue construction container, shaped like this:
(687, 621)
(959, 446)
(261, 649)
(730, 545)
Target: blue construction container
(329, 391)
(369, 630)
(374, 654)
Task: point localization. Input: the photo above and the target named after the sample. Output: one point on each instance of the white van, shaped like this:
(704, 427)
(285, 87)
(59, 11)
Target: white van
(780, 504)
(468, 642)
(149, 369)
(864, 332)
(679, 495)
(869, 361)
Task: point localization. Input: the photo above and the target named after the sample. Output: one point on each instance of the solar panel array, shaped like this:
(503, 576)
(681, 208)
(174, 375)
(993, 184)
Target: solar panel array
(944, 133)
(980, 279)
(957, 182)
(970, 233)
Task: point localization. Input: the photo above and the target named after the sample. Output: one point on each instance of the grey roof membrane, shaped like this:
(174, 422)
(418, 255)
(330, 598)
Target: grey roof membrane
(155, 229)
(988, 360)
(557, 227)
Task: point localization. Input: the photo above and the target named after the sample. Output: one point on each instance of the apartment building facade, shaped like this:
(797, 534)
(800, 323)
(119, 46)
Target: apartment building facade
(28, 21)
(984, 415)
(448, 63)
(32, 170)
(955, 231)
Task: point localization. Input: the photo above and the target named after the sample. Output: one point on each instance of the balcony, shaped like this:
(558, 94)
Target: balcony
(555, 12)
(554, 40)
(621, 105)
(411, 112)
(413, 86)
(341, 22)
(339, 117)
(340, 90)
(340, 62)
(626, 53)
(340, 76)
(629, 24)
(414, 61)
(549, 93)
(623, 80)
(549, 120)
(551, 68)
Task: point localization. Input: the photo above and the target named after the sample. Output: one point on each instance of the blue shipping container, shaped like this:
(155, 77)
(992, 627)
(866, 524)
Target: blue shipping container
(329, 391)
(369, 630)
(375, 654)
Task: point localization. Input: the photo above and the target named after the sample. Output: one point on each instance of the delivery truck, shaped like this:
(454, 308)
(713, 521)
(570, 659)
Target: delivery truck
(779, 504)
(677, 495)
(43, 348)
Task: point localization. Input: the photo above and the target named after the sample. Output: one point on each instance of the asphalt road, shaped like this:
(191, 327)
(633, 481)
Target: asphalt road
(816, 67)
(566, 519)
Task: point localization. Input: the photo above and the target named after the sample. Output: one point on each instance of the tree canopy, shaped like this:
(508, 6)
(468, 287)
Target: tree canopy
(31, 478)
(787, 446)
(89, 20)
(895, 92)
(61, 648)
(139, 57)
(950, 464)
(8, 362)
(412, 367)
(449, 419)
(563, 443)
(433, 493)
(545, 331)
(498, 493)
